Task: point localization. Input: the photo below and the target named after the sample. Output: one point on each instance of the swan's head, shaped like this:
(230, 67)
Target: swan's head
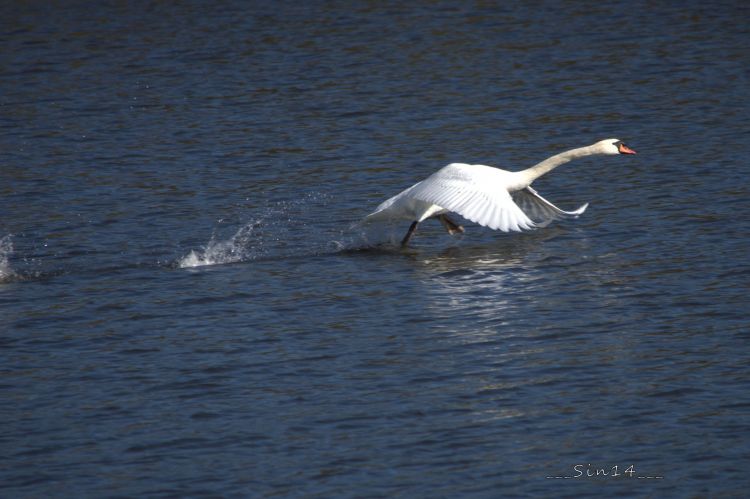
(612, 146)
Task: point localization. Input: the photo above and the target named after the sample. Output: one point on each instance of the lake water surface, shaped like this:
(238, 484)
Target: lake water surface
(187, 310)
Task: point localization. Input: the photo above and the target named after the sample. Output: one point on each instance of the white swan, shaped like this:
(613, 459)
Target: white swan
(491, 197)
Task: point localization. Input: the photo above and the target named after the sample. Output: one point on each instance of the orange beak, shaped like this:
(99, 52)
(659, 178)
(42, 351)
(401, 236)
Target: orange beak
(625, 149)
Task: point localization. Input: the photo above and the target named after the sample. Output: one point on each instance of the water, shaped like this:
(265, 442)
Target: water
(188, 309)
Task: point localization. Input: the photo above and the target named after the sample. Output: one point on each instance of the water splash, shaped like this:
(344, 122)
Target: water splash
(6, 249)
(238, 248)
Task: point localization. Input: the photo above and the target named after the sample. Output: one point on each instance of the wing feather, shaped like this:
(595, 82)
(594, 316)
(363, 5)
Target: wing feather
(476, 192)
(540, 210)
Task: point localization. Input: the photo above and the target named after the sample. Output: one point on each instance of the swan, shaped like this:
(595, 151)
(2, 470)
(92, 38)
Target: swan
(491, 197)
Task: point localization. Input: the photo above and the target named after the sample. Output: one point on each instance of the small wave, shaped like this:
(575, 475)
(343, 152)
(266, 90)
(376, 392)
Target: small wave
(6, 249)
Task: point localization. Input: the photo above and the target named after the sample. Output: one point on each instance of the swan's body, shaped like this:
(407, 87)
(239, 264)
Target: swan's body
(495, 198)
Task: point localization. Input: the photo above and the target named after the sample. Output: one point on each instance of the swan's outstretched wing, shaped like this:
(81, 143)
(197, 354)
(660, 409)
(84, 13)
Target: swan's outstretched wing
(541, 211)
(476, 192)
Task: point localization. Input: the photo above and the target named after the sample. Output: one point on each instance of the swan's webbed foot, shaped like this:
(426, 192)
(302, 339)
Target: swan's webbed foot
(452, 227)
(409, 233)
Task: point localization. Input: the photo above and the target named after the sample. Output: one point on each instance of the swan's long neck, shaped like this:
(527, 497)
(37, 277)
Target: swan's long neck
(530, 174)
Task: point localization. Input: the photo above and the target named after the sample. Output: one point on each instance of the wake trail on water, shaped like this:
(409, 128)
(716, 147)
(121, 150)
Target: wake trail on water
(286, 229)
(282, 230)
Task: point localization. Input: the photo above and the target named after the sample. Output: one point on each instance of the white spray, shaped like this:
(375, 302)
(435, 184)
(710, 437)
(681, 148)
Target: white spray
(6, 249)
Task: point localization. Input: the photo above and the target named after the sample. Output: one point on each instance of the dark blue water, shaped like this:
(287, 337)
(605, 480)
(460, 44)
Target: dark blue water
(187, 310)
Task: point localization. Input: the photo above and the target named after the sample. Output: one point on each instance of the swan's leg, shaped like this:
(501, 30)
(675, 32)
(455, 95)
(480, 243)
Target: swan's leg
(451, 226)
(411, 230)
